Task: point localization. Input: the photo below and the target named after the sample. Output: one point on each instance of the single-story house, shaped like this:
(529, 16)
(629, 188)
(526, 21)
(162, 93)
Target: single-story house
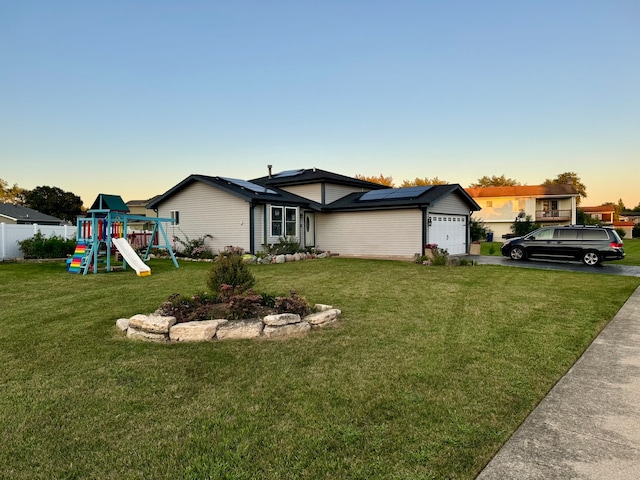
(630, 216)
(318, 209)
(625, 226)
(604, 213)
(546, 204)
(19, 215)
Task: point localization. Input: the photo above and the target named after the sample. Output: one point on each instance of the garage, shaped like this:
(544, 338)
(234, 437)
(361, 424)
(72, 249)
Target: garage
(448, 231)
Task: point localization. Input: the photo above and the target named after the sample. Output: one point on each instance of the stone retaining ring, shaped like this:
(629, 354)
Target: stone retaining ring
(156, 328)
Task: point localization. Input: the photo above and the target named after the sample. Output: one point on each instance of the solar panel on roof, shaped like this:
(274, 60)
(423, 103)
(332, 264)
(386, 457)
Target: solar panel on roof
(395, 193)
(377, 194)
(409, 192)
(289, 173)
(254, 187)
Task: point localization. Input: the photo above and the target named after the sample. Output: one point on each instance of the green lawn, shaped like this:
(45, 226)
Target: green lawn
(631, 250)
(429, 372)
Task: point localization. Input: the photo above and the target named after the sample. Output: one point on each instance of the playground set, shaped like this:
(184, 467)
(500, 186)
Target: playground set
(104, 233)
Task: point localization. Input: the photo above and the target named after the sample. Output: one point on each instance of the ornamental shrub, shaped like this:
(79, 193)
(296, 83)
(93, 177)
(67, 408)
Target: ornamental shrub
(188, 308)
(229, 270)
(39, 246)
(292, 304)
(195, 248)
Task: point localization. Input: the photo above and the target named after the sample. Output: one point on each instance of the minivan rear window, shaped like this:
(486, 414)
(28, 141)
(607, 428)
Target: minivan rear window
(566, 234)
(594, 235)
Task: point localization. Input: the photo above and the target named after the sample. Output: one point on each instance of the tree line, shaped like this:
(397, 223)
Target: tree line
(48, 200)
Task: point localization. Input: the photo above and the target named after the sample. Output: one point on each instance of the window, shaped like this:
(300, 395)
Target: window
(284, 221)
(594, 235)
(566, 234)
(175, 216)
(543, 234)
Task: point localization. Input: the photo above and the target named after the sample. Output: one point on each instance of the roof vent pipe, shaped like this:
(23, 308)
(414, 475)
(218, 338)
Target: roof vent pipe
(269, 167)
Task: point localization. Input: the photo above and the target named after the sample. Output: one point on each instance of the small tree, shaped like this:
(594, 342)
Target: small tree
(230, 269)
(479, 230)
(523, 225)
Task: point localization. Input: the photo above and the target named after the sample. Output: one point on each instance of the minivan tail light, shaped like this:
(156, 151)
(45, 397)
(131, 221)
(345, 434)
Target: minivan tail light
(616, 245)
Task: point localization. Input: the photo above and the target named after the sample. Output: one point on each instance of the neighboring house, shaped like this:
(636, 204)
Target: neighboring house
(139, 207)
(17, 214)
(633, 217)
(546, 204)
(626, 227)
(318, 209)
(603, 213)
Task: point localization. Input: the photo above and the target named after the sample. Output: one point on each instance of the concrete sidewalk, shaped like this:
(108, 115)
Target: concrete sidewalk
(588, 426)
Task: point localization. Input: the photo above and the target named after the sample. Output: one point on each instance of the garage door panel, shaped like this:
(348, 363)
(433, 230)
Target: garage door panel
(448, 231)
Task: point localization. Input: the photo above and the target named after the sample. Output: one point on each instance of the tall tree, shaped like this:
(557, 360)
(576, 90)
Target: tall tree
(494, 181)
(55, 201)
(619, 208)
(419, 182)
(13, 194)
(382, 180)
(570, 178)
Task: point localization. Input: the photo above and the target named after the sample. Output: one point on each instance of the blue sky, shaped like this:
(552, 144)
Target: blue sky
(130, 97)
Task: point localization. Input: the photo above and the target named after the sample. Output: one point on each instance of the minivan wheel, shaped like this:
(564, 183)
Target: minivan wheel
(591, 258)
(517, 253)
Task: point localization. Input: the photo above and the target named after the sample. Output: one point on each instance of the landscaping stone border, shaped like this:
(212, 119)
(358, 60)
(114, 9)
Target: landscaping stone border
(156, 328)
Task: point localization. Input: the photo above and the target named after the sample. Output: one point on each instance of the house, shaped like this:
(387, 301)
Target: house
(545, 204)
(139, 207)
(318, 209)
(624, 226)
(631, 216)
(17, 214)
(603, 213)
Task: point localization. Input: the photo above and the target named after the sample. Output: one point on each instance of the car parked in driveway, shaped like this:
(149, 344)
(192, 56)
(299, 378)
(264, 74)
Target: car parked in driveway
(586, 243)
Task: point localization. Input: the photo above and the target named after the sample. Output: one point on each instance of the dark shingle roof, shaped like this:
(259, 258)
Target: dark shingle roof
(249, 191)
(22, 214)
(313, 175)
(423, 197)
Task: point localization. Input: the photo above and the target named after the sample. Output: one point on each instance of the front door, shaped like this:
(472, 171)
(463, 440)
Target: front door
(309, 229)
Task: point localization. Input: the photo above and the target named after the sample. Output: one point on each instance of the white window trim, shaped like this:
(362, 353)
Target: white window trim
(271, 238)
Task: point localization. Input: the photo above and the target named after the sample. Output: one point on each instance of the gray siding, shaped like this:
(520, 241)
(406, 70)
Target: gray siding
(336, 192)
(312, 192)
(208, 210)
(451, 204)
(387, 233)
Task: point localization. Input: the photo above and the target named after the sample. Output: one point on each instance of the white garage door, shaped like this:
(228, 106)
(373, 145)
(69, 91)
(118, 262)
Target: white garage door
(448, 231)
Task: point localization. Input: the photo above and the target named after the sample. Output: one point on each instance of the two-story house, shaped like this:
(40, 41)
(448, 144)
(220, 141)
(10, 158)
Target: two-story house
(545, 204)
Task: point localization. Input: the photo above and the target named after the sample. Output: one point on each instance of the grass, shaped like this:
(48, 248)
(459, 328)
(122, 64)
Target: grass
(429, 372)
(631, 250)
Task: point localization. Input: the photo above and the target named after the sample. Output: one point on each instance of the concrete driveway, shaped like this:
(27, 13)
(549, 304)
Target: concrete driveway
(608, 268)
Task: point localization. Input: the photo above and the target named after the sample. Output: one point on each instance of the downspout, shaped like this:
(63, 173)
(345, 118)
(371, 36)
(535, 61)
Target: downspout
(252, 242)
(425, 226)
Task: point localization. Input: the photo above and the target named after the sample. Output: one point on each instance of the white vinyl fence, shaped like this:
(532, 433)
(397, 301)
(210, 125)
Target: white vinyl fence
(11, 234)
